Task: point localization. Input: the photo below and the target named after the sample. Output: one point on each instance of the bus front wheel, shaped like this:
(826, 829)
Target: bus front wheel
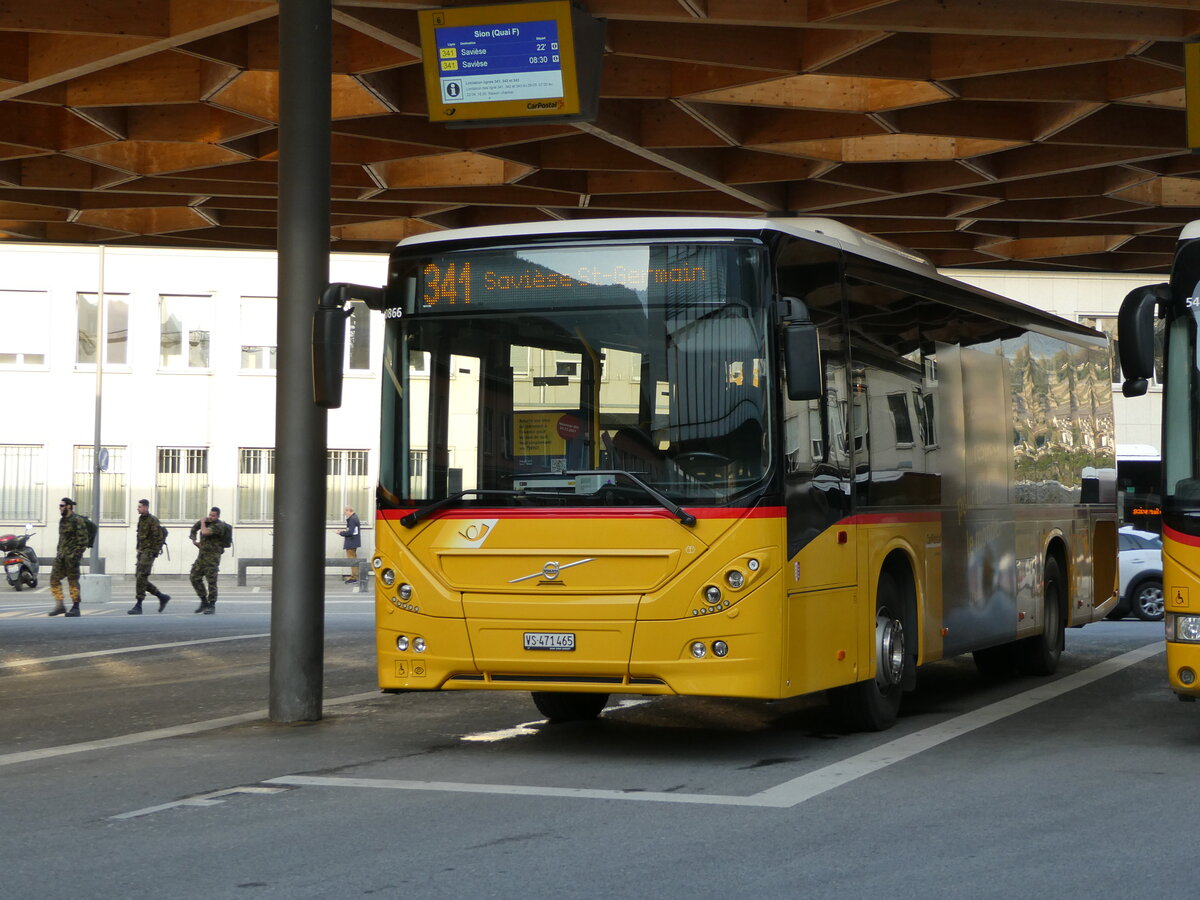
(874, 704)
(569, 706)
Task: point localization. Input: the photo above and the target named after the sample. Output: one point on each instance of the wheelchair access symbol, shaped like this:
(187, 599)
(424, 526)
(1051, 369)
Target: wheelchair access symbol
(1179, 597)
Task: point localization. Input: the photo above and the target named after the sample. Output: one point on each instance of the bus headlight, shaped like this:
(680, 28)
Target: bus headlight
(402, 643)
(388, 577)
(712, 594)
(419, 644)
(699, 650)
(1183, 628)
(735, 579)
(405, 592)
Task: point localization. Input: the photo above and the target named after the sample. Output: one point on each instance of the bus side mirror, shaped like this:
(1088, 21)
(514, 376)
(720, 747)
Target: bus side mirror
(801, 352)
(1135, 336)
(329, 338)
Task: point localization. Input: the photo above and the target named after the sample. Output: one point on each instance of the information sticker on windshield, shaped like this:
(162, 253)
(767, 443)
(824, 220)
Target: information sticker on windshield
(549, 640)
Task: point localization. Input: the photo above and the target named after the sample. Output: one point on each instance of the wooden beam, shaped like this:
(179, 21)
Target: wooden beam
(961, 56)
(1027, 18)
(611, 128)
(751, 48)
(447, 170)
(829, 92)
(189, 22)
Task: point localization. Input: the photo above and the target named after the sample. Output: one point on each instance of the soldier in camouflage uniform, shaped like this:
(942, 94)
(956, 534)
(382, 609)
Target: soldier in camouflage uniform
(72, 541)
(209, 534)
(149, 545)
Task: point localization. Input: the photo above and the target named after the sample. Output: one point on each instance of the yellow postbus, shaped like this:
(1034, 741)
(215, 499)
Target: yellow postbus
(723, 457)
(1157, 340)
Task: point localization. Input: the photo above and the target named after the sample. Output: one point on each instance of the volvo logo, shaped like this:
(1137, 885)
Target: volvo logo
(551, 570)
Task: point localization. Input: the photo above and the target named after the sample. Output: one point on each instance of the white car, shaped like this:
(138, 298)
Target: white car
(1140, 560)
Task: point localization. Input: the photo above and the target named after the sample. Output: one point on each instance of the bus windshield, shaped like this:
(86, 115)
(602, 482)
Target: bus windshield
(1181, 411)
(597, 375)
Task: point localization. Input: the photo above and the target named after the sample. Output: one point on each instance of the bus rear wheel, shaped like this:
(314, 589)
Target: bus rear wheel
(1040, 653)
(569, 706)
(874, 704)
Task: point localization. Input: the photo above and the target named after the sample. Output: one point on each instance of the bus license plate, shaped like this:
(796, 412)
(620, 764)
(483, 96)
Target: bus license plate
(549, 640)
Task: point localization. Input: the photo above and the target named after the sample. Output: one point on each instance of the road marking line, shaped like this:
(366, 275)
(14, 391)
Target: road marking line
(797, 790)
(210, 799)
(805, 787)
(17, 663)
(141, 737)
(528, 728)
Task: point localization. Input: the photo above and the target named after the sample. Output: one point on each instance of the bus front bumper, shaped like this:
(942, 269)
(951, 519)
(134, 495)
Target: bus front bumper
(1183, 668)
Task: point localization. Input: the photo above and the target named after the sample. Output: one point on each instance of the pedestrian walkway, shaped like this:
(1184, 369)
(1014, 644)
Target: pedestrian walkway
(254, 596)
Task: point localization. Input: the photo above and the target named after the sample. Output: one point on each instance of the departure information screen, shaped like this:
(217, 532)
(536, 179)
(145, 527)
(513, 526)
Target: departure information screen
(510, 61)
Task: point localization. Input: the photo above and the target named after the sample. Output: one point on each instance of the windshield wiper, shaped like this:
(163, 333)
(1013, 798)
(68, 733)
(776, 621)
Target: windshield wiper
(664, 501)
(449, 500)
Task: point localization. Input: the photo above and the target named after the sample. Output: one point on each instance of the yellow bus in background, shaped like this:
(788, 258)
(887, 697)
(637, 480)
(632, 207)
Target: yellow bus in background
(723, 457)
(1157, 331)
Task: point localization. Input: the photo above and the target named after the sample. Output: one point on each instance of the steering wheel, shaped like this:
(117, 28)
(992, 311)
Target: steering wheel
(696, 461)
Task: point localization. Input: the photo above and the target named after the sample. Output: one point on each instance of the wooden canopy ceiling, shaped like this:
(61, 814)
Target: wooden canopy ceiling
(1012, 133)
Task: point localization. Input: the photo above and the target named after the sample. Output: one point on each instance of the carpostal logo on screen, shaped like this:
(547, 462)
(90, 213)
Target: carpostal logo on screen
(545, 104)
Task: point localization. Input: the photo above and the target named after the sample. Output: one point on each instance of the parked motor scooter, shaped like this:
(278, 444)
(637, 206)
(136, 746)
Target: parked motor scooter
(20, 562)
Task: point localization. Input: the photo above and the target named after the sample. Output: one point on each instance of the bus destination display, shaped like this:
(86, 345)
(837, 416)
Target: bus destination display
(508, 61)
(629, 276)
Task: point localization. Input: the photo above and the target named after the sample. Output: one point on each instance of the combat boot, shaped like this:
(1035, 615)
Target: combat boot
(57, 611)
(135, 610)
(163, 600)
(73, 612)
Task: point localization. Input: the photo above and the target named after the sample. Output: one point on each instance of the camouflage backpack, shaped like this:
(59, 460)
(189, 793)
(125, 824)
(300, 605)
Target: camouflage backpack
(92, 528)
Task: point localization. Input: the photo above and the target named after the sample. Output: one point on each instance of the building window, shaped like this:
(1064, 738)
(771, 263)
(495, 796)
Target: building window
(258, 333)
(186, 328)
(898, 406)
(358, 338)
(416, 463)
(182, 485)
(116, 329)
(113, 506)
(26, 332)
(345, 483)
(256, 484)
(22, 484)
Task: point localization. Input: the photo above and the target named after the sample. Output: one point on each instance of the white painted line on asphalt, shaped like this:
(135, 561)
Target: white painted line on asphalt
(116, 651)
(455, 787)
(157, 734)
(210, 799)
(528, 728)
(805, 787)
(797, 790)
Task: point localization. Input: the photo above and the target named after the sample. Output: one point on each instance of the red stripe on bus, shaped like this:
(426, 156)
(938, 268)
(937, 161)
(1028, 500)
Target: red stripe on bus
(758, 512)
(650, 512)
(1179, 537)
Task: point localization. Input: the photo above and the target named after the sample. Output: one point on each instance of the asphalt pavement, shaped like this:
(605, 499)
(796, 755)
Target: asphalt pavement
(137, 760)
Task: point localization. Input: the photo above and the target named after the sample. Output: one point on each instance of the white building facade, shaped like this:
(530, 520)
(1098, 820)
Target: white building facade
(187, 395)
(187, 389)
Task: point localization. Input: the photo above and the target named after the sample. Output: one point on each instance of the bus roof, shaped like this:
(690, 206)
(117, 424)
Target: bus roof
(813, 228)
